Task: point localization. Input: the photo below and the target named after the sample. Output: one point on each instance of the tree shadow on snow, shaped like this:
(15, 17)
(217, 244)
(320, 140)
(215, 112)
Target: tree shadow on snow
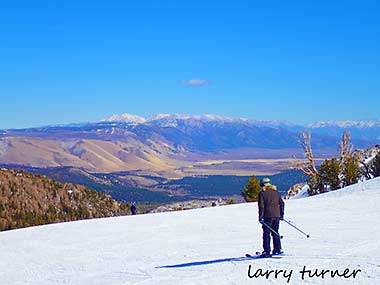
(206, 262)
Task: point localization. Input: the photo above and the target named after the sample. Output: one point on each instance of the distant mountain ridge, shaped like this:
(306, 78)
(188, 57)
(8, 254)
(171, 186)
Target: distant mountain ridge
(163, 117)
(346, 124)
(209, 117)
(175, 145)
(361, 129)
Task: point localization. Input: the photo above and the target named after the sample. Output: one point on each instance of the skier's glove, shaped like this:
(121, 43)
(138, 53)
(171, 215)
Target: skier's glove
(261, 221)
(281, 218)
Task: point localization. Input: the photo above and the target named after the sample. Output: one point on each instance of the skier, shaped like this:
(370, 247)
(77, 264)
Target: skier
(133, 209)
(271, 211)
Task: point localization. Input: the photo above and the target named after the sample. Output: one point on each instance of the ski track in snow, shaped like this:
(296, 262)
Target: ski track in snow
(203, 246)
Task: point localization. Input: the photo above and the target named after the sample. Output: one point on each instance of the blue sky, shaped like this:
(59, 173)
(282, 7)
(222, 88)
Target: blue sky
(76, 61)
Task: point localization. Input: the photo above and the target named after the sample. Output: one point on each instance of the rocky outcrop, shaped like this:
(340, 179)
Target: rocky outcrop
(194, 204)
(297, 190)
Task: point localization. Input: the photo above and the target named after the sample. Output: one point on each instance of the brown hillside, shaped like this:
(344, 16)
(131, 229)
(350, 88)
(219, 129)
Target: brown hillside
(154, 158)
(28, 200)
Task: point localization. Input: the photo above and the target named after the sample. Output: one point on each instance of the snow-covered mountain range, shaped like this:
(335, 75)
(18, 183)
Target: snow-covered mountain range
(203, 246)
(174, 145)
(361, 129)
(128, 118)
(171, 120)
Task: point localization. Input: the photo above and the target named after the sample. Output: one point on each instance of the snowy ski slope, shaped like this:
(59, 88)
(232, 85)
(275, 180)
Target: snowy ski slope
(204, 246)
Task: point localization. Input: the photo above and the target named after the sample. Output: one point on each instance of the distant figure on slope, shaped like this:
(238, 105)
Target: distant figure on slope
(271, 210)
(133, 209)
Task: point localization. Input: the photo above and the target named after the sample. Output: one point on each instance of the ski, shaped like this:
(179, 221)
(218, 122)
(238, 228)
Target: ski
(258, 255)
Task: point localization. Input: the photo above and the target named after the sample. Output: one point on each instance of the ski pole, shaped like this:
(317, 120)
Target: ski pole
(272, 230)
(289, 223)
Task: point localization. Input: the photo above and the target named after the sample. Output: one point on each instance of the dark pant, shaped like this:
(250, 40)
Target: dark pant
(274, 223)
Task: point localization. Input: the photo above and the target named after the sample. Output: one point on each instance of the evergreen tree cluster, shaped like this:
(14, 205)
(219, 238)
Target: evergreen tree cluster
(335, 173)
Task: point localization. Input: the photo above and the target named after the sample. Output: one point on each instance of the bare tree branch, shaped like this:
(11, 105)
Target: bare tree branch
(345, 149)
(307, 165)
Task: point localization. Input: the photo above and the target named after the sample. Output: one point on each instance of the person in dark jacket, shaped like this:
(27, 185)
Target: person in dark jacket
(133, 209)
(271, 211)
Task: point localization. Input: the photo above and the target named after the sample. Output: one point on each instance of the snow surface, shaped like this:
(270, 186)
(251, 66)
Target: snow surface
(203, 246)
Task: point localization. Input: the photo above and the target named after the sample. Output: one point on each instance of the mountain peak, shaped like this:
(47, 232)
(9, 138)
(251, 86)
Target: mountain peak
(126, 118)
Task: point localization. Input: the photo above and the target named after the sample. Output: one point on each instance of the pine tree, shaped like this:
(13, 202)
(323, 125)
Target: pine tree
(251, 191)
(351, 172)
(329, 173)
(375, 167)
(315, 185)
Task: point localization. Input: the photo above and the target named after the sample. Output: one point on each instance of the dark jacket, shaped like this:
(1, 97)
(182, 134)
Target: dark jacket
(270, 203)
(133, 209)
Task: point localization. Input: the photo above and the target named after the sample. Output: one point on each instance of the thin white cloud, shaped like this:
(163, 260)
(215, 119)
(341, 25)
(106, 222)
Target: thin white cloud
(196, 82)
